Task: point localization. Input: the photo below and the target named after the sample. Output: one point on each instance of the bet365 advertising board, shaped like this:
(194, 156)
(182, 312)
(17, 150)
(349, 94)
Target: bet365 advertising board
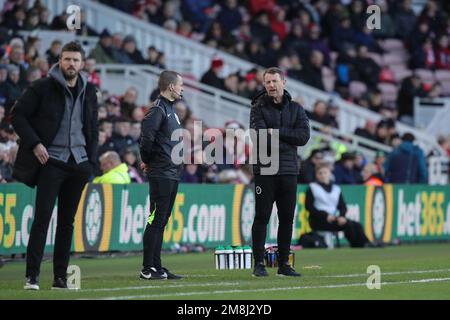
(113, 217)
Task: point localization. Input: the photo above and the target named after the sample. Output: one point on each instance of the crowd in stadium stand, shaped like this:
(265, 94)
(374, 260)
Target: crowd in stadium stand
(310, 44)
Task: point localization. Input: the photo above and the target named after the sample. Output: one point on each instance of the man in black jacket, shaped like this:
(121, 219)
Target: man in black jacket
(274, 111)
(156, 149)
(56, 120)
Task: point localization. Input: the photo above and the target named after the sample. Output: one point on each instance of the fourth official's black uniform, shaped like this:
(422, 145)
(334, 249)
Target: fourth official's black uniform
(156, 148)
(293, 125)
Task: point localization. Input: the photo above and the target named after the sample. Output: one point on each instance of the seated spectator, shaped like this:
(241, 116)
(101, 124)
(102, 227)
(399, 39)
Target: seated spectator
(129, 102)
(134, 170)
(406, 163)
(368, 131)
(130, 54)
(231, 83)
(411, 87)
(89, 67)
(344, 170)
(230, 16)
(366, 38)
(387, 25)
(323, 201)
(316, 43)
(405, 19)
(114, 171)
(343, 34)
(367, 69)
(371, 175)
(212, 76)
(308, 167)
(121, 138)
(153, 57)
(443, 52)
(191, 174)
(103, 51)
(424, 56)
(319, 114)
(53, 52)
(313, 71)
(10, 90)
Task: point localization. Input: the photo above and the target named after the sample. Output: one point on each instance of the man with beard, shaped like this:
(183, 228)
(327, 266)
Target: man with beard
(56, 120)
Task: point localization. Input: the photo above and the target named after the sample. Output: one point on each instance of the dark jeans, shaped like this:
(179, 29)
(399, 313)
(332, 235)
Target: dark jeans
(65, 182)
(283, 191)
(162, 197)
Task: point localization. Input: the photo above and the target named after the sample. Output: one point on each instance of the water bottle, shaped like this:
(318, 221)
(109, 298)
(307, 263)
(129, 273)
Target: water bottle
(247, 257)
(230, 257)
(239, 258)
(220, 258)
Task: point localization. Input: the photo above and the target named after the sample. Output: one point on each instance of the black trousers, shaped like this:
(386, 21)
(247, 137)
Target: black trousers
(353, 230)
(162, 197)
(65, 182)
(283, 191)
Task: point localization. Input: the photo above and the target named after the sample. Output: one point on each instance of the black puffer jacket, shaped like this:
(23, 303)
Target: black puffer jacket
(293, 124)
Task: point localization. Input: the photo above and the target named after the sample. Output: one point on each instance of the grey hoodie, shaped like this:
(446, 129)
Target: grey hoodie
(70, 138)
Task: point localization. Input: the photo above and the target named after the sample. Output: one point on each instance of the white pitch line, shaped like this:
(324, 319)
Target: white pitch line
(164, 286)
(385, 273)
(195, 293)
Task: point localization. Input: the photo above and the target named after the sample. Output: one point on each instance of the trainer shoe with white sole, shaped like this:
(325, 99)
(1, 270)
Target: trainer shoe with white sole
(32, 283)
(152, 274)
(170, 275)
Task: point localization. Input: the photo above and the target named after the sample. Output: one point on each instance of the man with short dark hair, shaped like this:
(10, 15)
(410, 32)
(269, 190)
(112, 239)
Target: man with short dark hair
(156, 148)
(56, 120)
(274, 109)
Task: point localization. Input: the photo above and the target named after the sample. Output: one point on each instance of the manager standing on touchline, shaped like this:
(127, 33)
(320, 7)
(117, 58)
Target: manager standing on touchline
(56, 120)
(273, 109)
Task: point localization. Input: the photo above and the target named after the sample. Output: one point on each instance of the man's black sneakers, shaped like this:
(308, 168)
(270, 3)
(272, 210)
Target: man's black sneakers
(169, 274)
(152, 274)
(60, 284)
(286, 270)
(260, 270)
(32, 283)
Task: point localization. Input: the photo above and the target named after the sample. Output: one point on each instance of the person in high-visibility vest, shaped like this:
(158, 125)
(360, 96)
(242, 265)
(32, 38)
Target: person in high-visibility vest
(114, 171)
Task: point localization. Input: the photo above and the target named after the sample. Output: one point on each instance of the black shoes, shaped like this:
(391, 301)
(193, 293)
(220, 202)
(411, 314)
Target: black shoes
(286, 270)
(169, 274)
(260, 270)
(32, 283)
(152, 274)
(60, 284)
(161, 274)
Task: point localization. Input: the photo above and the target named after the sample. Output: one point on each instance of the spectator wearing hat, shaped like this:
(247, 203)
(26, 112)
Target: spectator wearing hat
(212, 76)
(406, 163)
(129, 53)
(344, 170)
(103, 51)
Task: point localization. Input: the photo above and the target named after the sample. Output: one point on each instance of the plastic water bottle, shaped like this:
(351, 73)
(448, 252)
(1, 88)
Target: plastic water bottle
(238, 258)
(220, 258)
(247, 257)
(230, 257)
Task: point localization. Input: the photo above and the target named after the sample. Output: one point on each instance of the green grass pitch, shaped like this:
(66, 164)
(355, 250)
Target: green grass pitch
(407, 272)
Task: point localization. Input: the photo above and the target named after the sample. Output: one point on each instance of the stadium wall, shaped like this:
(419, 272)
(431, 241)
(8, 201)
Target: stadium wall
(113, 217)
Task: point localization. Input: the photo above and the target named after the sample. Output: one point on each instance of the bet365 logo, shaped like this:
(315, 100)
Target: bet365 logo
(73, 21)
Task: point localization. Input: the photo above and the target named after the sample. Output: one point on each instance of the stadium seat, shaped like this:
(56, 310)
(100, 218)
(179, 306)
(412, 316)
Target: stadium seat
(357, 89)
(400, 73)
(426, 75)
(392, 45)
(388, 92)
(391, 59)
(442, 75)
